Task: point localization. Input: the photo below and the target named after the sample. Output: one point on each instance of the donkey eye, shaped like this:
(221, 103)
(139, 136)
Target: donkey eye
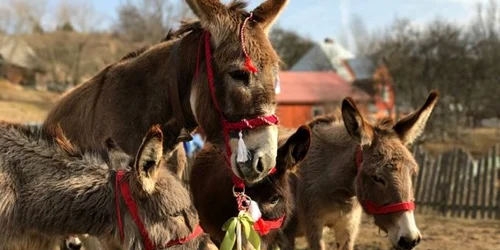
(378, 180)
(239, 75)
(274, 200)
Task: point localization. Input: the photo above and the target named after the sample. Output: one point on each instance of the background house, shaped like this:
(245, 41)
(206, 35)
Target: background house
(306, 94)
(374, 78)
(364, 73)
(325, 56)
(18, 61)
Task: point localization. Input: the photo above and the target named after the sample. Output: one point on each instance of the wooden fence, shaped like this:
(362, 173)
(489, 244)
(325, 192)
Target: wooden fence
(453, 184)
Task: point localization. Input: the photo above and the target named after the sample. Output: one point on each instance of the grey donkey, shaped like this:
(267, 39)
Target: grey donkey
(49, 189)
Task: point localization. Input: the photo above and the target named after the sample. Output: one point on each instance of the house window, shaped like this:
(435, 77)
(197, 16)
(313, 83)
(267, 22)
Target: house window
(372, 108)
(385, 93)
(317, 111)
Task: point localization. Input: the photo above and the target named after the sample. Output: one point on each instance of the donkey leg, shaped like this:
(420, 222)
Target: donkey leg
(314, 233)
(346, 228)
(290, 233)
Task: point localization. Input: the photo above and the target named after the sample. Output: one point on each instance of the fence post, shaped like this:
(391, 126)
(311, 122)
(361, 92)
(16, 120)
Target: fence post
(425, 195)
(470, 179)
(442, 201)
(492, 175)
(496, 153)
(457, 183)
(433, 196)
(477, 182)
(484, 185)
(421, 160)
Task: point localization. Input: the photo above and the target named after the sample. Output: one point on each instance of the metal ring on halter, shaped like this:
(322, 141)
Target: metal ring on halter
(236, 193)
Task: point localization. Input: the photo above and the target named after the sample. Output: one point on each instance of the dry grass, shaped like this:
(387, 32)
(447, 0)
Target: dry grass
(438, 234)
(22, 105)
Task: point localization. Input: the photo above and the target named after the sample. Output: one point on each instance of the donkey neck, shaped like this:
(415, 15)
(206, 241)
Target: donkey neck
(335, 150)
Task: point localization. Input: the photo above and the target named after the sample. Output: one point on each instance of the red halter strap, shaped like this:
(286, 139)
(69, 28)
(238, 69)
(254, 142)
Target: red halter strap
(124, 188)
(370, 206)
(263, 227)
(227, 126)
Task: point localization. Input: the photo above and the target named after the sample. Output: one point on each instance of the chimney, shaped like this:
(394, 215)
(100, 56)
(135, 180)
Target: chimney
(329, 40)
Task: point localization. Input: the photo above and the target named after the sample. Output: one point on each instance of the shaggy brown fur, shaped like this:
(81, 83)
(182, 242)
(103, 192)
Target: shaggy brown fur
(127, 97)
(49, 188)
(212, 187)
(327, 191)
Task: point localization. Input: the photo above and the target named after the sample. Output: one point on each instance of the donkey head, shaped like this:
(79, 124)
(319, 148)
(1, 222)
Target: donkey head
(163, 203)
(273, 194)
(385, 175)
(241, 94)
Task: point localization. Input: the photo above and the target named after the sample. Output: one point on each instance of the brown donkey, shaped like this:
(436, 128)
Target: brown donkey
(168, 84)
(350, 162)
(49, 189)
(211, 186)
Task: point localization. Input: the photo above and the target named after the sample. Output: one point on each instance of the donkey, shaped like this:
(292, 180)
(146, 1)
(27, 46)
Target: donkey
(50, 189)
(211, 188)
(354, 165)
(166, 84)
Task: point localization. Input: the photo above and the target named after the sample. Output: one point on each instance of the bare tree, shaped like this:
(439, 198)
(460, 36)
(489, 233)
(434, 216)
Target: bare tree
(289, 45)
(149, 20)
(461, 62)
(20, 16)
(80, 15)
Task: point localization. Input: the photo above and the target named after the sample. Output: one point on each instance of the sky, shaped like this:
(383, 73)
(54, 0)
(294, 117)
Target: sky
(318, 19)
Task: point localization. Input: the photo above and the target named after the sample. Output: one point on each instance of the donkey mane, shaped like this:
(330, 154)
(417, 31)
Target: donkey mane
(53, 138)
(334, 117)
(382, 125)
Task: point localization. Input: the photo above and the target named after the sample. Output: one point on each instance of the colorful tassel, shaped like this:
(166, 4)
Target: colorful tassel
(242, 154)
(249, 65)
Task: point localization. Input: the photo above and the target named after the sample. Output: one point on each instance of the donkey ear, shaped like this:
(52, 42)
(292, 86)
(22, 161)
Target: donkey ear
(295, 149)
(148, 159)
(206, 10)
(267, 13)
(355, 124)
(412, 126)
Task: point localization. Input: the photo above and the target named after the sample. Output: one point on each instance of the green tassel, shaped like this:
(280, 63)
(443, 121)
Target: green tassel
(246, 222)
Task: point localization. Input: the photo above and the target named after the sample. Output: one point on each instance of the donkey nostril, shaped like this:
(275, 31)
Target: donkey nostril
(407, 243)
(404, 243)
(260, 167)
(418, 240)
(73, 246)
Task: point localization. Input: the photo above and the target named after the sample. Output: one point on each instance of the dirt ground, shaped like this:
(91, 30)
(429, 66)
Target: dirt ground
(438, 233)
(24, 105)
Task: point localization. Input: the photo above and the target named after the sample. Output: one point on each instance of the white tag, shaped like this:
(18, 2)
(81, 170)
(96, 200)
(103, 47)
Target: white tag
(277, 86)
(254, 211)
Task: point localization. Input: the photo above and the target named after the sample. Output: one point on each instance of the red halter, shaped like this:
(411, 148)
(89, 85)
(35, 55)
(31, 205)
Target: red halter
(370, 206)
(124, 188)
(262, 226)
(226, 125)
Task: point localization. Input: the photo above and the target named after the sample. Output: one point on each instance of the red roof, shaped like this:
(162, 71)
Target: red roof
(316, 87)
